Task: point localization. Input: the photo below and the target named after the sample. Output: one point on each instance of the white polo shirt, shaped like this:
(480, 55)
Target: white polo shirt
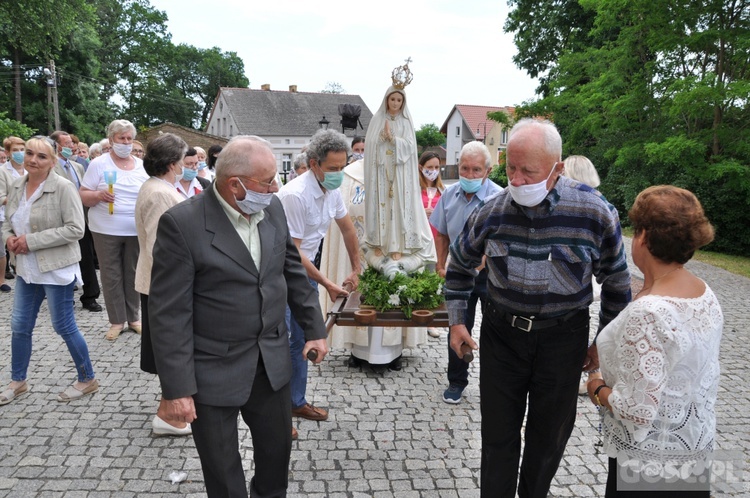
(309, 211)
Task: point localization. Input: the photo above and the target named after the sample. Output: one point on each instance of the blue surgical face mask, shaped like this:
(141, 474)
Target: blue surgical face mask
(470, 185)
(66, 152)
(18, 156)
(201, 165)
(332, 180)
(189, 174)
(253, 202)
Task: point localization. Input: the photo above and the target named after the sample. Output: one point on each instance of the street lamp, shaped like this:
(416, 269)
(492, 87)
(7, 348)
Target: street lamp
(324, 123)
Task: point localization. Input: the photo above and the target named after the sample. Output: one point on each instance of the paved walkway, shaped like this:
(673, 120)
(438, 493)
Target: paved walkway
(389, 435)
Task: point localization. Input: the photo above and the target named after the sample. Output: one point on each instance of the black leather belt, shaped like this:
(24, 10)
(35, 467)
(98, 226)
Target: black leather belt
(530, 323)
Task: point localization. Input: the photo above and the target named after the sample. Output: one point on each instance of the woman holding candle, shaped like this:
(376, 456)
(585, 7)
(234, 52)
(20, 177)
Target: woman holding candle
(110, 188)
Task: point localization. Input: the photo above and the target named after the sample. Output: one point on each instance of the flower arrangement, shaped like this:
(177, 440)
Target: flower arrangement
(420, 290)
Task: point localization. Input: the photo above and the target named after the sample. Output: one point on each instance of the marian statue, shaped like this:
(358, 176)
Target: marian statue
(397, 234)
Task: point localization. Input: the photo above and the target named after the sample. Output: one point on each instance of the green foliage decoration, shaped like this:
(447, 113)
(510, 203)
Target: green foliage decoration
(420, 290)
(10, 127)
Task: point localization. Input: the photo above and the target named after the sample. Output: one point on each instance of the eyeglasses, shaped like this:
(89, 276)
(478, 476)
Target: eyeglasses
(273, 184)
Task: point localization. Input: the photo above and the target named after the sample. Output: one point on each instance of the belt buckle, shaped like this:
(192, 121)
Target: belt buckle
(528, 325)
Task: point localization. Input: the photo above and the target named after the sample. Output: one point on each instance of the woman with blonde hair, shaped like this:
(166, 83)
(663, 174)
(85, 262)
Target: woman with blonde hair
(112, 224)
(44, 221)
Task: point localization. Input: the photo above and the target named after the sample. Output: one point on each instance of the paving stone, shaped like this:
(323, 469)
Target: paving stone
(389, 435)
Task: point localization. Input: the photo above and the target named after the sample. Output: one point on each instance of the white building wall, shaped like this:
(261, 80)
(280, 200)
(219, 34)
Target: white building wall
(454, 138)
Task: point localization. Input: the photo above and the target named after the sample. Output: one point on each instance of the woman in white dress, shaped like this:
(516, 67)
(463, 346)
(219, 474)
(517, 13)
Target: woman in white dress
(660, 358)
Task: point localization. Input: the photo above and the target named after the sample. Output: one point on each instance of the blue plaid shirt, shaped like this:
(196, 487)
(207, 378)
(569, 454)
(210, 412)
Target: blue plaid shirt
(541, 260)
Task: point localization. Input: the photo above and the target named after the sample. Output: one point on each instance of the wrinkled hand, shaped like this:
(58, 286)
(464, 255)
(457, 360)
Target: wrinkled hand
(181, 409)
(352, 281)
(320, 346)
(17, 245)
(460, 336)
(335, 291)
(105, 196)
(592, 359)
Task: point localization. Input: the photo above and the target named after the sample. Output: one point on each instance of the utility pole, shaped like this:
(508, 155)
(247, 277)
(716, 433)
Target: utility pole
(52, 102)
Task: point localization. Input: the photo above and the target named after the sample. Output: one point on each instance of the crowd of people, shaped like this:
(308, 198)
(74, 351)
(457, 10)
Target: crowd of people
(178, 233)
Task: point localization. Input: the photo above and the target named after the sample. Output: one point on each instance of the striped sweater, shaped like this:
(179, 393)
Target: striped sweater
(541, 260)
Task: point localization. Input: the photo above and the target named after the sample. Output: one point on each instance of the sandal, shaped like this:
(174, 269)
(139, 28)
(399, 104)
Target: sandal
(135, 327)
(10, 394)
(72, 393)
(114, 332)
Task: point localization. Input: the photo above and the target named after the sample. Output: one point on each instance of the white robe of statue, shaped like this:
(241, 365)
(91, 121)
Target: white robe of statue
(397, 234)
(377, 345)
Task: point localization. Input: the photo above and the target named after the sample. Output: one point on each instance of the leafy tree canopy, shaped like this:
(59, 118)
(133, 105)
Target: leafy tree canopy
(429, 136)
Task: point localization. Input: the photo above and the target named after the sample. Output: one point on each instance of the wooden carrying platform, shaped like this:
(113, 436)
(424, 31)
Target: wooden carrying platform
(343, 314)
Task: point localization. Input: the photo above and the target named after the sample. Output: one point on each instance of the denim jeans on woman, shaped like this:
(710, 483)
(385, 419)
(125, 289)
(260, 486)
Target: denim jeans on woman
(28, 299)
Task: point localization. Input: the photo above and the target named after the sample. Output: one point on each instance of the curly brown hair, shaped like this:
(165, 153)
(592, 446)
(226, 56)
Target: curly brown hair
(674, 223)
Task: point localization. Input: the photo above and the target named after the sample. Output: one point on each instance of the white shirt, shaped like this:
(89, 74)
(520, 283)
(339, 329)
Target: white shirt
(309, 211)
(660, 356)
(126, 188)
(193, 189)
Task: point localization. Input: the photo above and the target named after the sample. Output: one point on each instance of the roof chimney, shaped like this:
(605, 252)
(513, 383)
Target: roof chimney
(265, 87)
(293, 88)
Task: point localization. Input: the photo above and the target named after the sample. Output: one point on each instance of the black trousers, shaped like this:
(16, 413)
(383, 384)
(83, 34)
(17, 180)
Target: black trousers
(88, 268)
(545, 367)
(268, 414)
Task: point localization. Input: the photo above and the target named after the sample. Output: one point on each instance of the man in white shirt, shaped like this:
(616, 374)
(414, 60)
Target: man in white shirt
(311, 201)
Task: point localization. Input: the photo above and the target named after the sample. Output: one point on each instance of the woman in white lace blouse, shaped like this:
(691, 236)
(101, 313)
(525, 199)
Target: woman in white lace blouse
(660, 358)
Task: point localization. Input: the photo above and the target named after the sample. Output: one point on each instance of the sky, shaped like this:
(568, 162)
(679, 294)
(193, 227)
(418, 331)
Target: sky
(459, 52)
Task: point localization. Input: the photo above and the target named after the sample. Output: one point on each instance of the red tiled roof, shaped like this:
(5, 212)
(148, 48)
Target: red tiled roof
(476, 119)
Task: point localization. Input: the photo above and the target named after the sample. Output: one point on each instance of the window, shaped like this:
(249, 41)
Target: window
(221, 105)
(231, 130)
(223, 127)
(212, 129)
(287, 141)
(456, 161)
(504, 139)
(286, 161)
(458, 131)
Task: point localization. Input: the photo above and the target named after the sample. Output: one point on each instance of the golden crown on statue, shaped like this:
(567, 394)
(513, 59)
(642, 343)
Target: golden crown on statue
(401, 75)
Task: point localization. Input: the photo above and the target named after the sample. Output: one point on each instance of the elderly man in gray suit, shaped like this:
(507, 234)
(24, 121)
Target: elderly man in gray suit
(224, 265)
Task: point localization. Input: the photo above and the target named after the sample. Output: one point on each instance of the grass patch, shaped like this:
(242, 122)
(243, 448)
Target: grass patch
(739, 265)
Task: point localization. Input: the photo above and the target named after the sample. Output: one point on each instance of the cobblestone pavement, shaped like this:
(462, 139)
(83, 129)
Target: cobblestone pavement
(388, 435)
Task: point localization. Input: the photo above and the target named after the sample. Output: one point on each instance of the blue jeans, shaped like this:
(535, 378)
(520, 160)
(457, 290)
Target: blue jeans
(458, 369)
(28, 299)
(298, 384)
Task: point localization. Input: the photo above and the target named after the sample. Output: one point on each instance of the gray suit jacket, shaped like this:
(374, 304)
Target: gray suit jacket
(212, 311)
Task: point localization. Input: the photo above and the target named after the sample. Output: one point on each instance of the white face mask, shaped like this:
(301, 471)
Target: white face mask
(431, 174)
(177, 177)
(531, 195)
(254, 201)
(122, 150)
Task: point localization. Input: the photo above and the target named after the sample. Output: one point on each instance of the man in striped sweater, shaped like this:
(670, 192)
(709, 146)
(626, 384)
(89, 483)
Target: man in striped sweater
(544, 238)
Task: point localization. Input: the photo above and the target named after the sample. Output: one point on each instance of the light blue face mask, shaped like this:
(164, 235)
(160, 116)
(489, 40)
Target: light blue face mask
(66, 152)
(470, 185)
(201, 165)
(189, 174)
(18, 156)
(332, 180)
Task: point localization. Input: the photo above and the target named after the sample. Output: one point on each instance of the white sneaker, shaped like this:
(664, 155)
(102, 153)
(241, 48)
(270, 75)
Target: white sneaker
(433, 332)
(582, 388)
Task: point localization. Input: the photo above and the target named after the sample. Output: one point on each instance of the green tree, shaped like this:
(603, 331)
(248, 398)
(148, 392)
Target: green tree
(11, 127)
(658, 95)
(429, 136)
(333, 87)
(36, 30)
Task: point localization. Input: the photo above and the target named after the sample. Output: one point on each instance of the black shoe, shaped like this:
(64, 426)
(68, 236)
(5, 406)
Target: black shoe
(353, 362)
(92, 306)
(9, 275)
(395, 365)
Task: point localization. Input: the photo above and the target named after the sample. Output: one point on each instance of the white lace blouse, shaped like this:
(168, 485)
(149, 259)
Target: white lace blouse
(661, 358)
